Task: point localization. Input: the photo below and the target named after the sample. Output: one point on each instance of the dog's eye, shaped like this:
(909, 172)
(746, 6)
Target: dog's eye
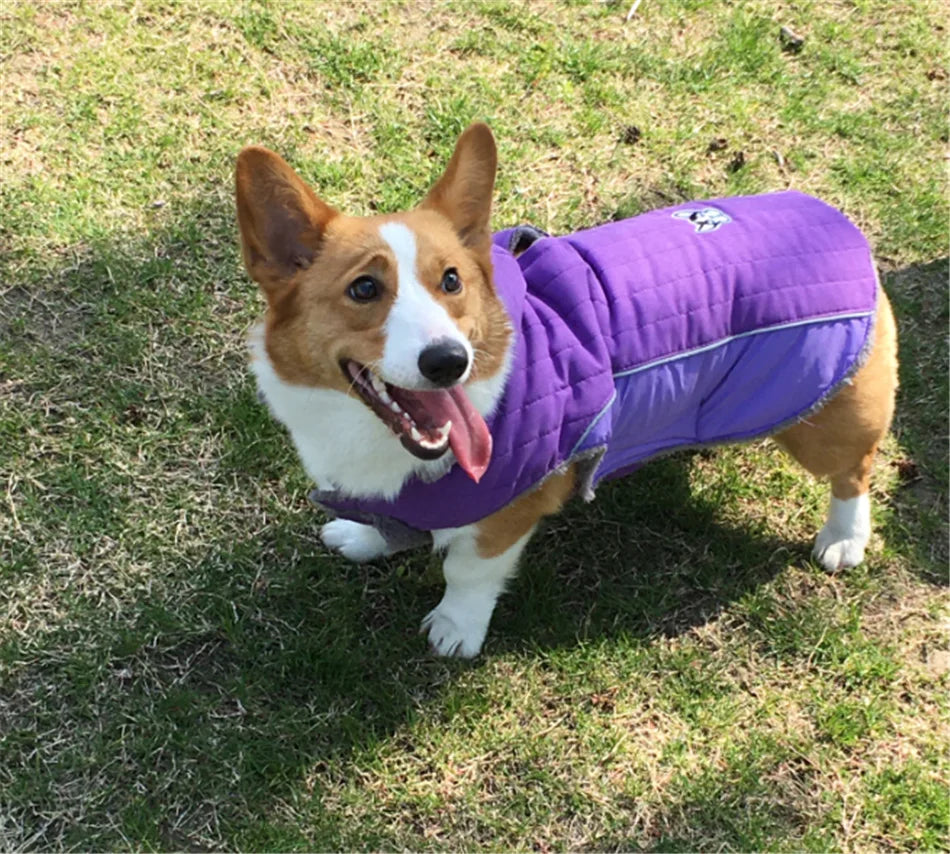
(364, 289)
(451, 283)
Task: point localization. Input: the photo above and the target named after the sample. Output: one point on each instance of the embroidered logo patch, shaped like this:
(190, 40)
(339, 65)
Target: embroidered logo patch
(704, 219)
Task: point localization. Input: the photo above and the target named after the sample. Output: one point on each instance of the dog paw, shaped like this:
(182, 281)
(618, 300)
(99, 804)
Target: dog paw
(353, 540)
(835, 549)
(452, 633)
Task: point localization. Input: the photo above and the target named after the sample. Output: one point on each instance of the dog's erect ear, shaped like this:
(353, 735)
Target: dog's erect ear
(282, 220)
(464, 192)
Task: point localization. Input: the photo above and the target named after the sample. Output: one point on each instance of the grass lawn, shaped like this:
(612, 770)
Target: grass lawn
(183, 666)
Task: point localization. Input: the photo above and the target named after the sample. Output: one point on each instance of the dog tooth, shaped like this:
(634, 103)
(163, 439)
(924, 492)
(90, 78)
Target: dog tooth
(416, 435)
(433, 444)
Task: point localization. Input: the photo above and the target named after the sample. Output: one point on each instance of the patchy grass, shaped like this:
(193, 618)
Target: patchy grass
(183, 667)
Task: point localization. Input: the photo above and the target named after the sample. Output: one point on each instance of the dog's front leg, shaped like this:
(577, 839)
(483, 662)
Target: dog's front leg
(480, 558)
(473, 583)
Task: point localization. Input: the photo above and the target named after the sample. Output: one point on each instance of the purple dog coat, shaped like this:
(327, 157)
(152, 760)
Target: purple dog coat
(703, 323)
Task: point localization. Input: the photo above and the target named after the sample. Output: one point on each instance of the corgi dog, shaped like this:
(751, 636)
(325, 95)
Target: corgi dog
(446, 385)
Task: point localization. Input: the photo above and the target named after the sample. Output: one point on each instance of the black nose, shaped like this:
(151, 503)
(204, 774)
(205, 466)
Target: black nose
(443, 362)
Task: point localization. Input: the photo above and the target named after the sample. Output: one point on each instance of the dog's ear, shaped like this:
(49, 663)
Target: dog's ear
(281, 219)
(464, 192)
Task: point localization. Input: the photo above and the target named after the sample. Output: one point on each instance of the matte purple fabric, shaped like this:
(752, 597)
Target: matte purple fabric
(697, 324)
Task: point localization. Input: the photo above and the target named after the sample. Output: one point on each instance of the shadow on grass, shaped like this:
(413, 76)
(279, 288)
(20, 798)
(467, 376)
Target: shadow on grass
(919, 294)
(647, 559)
(242, 675)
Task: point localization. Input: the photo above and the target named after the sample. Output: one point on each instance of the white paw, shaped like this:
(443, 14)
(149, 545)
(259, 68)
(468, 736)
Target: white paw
(456, 632)
(353, 540)
(842, 541)
(835, 550)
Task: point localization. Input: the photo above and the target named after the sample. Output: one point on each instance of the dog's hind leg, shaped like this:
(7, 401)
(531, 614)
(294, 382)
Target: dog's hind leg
(839, 442)
(842, 540)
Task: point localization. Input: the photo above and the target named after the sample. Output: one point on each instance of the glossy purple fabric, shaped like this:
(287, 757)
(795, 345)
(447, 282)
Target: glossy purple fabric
(702, 323)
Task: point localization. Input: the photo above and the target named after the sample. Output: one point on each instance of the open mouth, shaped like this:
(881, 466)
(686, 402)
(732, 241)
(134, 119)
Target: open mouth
(427, 423)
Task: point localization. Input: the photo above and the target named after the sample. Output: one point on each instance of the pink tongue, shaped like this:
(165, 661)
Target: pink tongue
(469, 437)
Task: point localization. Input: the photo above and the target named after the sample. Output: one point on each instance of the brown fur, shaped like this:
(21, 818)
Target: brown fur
(500, 531)
(305, 254)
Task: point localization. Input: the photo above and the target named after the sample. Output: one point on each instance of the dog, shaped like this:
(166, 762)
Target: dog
(448, 386)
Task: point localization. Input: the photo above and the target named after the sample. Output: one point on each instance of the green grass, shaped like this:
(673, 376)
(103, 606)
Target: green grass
(182, 666)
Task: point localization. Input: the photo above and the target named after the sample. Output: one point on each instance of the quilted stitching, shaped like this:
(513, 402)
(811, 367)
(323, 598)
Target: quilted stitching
(583, 294)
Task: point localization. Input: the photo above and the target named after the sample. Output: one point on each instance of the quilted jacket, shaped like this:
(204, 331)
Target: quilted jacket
(703, 323)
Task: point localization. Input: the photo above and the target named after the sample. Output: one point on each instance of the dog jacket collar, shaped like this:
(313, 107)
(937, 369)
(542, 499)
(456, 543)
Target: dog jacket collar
(704, 323)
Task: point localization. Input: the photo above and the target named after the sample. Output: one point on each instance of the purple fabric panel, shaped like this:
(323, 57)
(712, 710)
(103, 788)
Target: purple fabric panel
(553, 394)
(656, 410)
(542, 420)
(783, 255)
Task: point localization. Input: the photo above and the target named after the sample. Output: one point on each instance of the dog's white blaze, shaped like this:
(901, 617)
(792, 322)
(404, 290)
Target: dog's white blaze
(415, 320)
